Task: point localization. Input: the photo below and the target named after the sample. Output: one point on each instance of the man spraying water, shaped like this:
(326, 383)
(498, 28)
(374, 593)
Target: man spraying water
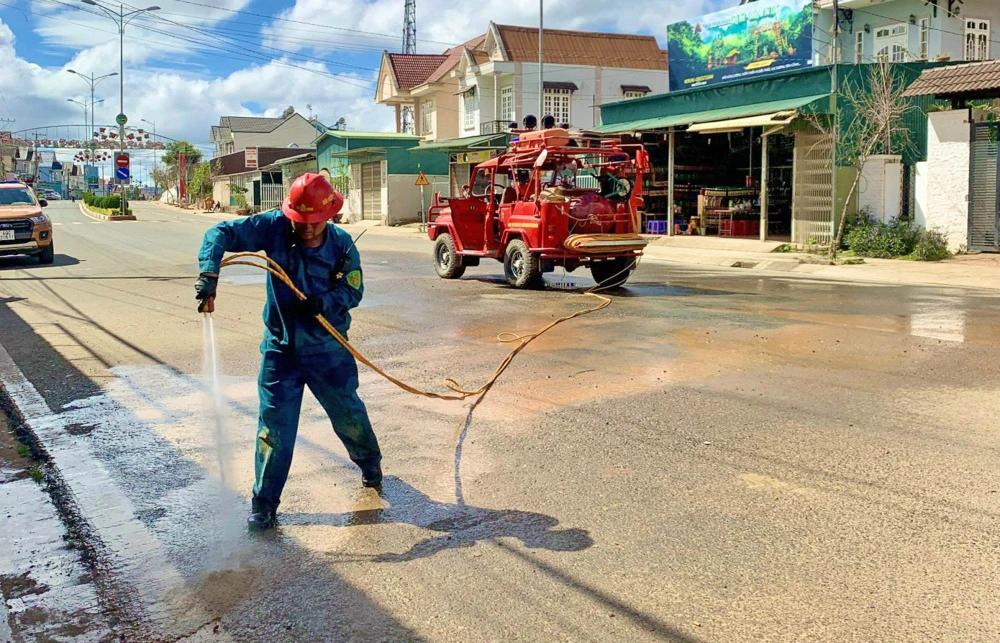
(297, 351)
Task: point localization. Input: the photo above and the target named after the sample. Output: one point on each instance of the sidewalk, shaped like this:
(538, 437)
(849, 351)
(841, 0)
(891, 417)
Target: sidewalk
(963, 271)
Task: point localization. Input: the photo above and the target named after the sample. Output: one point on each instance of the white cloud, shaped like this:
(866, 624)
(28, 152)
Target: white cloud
(444, 22)
(184, 105)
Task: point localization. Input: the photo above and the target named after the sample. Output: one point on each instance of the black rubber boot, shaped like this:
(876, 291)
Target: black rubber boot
(371, 476)
(262, 520)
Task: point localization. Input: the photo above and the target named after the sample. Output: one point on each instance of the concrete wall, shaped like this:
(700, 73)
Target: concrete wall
(920, 194)
(403, 197)
(881, 187)
(947, 178)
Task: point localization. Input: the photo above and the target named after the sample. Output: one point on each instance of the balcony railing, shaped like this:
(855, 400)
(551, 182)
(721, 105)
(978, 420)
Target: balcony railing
(496, 127)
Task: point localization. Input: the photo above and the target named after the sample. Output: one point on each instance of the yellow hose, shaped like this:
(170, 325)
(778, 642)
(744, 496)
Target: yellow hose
(459, 393)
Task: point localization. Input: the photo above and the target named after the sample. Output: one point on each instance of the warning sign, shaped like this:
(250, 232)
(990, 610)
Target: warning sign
(422, 179)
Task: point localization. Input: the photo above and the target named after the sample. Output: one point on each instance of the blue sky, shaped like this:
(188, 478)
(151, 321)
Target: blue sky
(197, 60)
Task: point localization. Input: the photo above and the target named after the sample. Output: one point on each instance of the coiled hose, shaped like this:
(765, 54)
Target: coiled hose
(253, 259)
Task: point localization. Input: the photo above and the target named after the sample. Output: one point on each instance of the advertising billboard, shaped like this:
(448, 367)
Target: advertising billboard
(740, 43)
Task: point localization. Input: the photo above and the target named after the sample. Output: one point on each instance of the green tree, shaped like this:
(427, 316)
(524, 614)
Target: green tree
(200, 183)
(174, 150)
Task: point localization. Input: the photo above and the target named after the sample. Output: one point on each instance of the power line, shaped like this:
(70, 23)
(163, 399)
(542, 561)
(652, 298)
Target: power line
(310, 24)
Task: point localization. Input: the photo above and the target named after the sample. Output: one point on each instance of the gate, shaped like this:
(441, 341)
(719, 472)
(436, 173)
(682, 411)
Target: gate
(984, 198)
(371, 190)
(812, 189)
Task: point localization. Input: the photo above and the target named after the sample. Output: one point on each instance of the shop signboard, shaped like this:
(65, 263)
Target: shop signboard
(740, 43)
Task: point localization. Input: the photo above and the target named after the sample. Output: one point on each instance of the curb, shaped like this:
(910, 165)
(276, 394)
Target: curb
(87, 212)
(136, 583)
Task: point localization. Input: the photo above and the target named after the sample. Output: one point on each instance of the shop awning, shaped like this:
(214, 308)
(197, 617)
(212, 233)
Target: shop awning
(712, 115)
(735, 124)
(483, 142)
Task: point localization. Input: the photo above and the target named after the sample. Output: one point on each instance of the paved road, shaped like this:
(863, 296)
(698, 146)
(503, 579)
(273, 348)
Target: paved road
(720, 456)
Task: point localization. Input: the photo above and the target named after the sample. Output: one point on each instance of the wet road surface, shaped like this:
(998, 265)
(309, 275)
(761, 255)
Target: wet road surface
(719, 456)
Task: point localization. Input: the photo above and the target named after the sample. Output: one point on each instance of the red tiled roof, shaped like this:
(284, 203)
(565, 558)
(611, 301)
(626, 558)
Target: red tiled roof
(452, 56)
(584, 48)
(412, 70)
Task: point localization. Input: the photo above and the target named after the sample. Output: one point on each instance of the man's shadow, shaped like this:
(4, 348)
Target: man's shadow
(460, 524)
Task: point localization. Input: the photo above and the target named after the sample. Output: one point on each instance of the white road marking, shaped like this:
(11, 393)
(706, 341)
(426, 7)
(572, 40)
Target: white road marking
(78, 223)
(57, 223)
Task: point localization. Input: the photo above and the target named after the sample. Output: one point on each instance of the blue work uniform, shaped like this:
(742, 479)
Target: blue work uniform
(296, 350)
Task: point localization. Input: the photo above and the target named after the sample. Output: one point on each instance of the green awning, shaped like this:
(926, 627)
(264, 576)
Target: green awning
(720, 114)
(464, 144)
(361, 151)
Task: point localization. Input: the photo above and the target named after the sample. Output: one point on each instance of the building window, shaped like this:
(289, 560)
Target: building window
(469, 108)
(977, 39)
(859, 46)
(632, 94)
(890, 43)
(427, 116)
(557, 104)
(507, 103)
(925, 36)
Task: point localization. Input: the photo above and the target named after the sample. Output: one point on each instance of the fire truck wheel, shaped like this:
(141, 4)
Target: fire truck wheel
(447, 263)
(521, 268)
(612, 273)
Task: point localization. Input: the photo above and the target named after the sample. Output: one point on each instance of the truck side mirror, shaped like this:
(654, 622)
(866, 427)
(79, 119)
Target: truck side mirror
(43, 203)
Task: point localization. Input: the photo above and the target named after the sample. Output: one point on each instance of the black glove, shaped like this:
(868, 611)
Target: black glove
(309, 307)
(204, 288)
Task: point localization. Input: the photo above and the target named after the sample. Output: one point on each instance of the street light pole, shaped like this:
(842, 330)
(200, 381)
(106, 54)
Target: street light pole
(92, 81)
(121, 19)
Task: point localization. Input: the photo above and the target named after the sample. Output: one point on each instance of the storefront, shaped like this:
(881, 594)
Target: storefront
(728, 163)
(379, 171)
(463, 155)
(724, 162)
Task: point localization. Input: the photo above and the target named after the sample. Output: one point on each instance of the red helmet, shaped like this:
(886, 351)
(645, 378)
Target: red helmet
(312, 199)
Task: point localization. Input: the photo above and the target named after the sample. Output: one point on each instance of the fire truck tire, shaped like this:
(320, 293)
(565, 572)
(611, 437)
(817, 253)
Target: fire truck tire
(447, 263)
(521, 268)
(612, 273)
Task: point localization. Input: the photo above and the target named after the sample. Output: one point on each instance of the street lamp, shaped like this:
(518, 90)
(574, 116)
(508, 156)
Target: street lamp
(92, 81)
(121, 20)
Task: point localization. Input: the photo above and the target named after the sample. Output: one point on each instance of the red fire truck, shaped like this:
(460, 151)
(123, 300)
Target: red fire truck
(552, 199)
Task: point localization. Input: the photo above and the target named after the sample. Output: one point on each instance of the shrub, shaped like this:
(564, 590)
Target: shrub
(868, 238)
(932, 246)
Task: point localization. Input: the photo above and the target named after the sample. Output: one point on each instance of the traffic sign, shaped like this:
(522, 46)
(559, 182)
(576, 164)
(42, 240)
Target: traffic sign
(422, 179)
(122, 160)
(121, 174)
(121, 119)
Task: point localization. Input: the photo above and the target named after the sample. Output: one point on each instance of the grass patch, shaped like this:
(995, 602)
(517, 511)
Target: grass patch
(108, 211)
(36, 474)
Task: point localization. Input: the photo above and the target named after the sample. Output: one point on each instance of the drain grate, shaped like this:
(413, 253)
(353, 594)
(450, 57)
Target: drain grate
(745, 264)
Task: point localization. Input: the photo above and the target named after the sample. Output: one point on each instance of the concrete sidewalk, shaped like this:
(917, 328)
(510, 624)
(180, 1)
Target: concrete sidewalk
(962, 271)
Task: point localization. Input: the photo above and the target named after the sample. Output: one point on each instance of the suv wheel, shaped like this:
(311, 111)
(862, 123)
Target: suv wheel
(48, 255)
(521, 268)
(447, 263)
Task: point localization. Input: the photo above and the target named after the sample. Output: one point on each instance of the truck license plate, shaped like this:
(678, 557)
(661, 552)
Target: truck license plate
(6, 235)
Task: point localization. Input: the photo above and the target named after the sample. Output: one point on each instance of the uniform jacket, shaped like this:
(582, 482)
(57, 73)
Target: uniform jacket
(311, 269)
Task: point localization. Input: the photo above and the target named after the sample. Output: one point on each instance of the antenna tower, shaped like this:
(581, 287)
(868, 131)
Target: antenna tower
(409, 47)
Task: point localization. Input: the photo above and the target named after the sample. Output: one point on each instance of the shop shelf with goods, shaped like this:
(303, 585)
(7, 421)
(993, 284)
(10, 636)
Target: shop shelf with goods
(719, 208)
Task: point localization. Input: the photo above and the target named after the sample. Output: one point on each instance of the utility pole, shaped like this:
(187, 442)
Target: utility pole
(541, 64)
(409, 47)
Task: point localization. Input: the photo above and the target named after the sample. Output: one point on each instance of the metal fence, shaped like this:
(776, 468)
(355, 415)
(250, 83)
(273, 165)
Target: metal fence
(271, 195)
(812, 196)
(984, 181)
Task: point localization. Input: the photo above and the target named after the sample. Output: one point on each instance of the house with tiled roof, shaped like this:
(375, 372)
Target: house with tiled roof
(464, 100)
(236, 133)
